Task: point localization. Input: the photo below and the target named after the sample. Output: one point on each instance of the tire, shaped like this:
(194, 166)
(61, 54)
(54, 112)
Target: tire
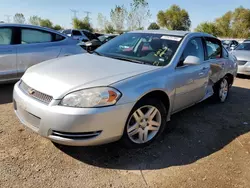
(221, 90)
(142, 129)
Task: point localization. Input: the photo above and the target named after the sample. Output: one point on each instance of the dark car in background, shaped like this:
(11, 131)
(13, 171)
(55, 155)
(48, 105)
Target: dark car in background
(97, 42)
(81, 35)
(230, 44)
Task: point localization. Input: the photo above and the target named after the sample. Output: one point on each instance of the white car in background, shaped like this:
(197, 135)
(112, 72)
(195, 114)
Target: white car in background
(22, 46)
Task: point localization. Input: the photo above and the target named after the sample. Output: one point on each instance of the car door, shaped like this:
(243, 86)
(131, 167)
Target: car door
(35, 47)
(8, 67)
(215, 58)
(191, 80)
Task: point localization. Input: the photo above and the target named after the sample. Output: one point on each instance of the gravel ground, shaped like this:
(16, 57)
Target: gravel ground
(208, 147)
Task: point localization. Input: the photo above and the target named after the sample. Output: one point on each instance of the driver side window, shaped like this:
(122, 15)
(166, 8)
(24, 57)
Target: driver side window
(193, 48)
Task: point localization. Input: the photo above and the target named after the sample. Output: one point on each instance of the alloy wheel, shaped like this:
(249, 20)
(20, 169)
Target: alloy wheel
(223, 92)
(144, 124)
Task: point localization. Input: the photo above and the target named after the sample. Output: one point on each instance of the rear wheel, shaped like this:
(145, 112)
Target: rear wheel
(145, 123)
(221, 90)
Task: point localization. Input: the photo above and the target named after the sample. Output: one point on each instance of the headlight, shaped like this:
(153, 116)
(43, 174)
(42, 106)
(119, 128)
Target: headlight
(93, 97)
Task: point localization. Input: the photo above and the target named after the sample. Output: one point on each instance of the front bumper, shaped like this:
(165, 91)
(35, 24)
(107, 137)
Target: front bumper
(244, 69)
(71, 126)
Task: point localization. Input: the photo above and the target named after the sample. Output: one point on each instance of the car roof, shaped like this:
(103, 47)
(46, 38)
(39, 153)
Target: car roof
(31, 26)
(173, 32)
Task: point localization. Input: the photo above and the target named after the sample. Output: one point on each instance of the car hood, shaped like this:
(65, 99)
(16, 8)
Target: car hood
(241, 55)
(60, 76)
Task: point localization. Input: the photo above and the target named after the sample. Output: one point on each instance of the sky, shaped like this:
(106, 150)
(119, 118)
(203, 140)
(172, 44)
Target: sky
(59, 11)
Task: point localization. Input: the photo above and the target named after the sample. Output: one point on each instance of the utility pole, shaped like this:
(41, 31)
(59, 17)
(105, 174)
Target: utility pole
(74, 12)
(7, 18)
(87, 14)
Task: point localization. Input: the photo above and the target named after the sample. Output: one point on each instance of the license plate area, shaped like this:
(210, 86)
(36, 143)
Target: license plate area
(28, 117)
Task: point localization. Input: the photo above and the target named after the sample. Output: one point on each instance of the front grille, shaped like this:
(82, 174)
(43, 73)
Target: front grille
(241, 62)
(86, 135)
(35, 94)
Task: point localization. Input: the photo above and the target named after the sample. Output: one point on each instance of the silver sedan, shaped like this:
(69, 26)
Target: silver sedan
(125, 94)
(242, 54)
(22, 46)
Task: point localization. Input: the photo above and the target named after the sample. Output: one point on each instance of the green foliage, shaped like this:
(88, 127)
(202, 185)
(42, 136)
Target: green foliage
(153, 26)
(241, 23)
(234, 24)
(46, 23)
(138, 15)
(109, 28)
(118, 16)
(57, 27)
(223, 24)
(174, 18)
(82, 24)
(34, 20)
(19, 18)
(208, 27)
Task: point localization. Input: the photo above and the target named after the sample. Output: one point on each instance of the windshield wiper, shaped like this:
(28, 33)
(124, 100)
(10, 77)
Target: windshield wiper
(130, 60)
(97, 53)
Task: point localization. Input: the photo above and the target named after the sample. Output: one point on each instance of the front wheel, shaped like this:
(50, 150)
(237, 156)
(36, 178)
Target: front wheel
(221, 90)
(145, 123)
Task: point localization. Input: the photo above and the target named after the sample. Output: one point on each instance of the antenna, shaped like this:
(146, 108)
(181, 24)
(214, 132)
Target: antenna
(7, 18)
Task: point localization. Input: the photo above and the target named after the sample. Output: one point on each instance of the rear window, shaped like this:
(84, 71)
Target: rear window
(29, 36)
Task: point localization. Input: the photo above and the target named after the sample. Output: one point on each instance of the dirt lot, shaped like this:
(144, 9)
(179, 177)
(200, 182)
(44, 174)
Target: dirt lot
(209, 147)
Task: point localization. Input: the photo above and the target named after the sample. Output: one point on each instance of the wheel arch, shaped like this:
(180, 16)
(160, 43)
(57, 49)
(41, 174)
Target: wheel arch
(230, 79)
(158, 94)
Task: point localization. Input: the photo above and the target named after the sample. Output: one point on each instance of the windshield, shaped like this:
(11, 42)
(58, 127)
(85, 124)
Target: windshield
(152, 49)
(102, 38)
(243, 46)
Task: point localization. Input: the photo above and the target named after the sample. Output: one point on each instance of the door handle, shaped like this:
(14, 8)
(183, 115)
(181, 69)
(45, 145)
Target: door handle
(205, 68)
(201, 73)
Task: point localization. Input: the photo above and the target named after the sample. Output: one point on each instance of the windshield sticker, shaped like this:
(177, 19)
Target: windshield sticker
(171, 38)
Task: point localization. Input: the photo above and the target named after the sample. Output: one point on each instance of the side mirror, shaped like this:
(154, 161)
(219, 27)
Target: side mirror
(192, 60)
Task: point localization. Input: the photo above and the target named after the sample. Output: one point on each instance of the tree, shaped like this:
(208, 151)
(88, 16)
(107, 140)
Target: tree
(46, 23)
(101, 20)
(109, 28)
(153, 26)
(174, 18)
(241, 23)
(82, 24)
(234, 24)
(223, 24)
(138, 15)
(118, 16)
(208, 27)
(57, 27)
(19, 18)
(34, 20)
